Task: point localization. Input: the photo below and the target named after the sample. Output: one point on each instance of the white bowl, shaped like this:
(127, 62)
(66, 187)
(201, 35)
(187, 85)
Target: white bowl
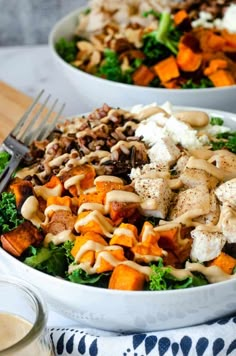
(94, 91)
(131, 311)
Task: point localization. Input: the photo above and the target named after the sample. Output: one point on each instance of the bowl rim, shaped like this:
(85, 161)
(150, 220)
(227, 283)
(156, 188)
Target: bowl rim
(130, 294)
(76, 12)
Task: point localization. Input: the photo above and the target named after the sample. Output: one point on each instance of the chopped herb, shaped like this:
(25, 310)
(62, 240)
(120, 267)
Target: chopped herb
(216, 121)
(225, 140)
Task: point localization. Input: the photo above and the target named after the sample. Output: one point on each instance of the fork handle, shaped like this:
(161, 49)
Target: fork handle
(9, 170)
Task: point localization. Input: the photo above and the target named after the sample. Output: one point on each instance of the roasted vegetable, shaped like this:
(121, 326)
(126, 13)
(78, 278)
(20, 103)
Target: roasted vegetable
(19, 239)
(125, 277)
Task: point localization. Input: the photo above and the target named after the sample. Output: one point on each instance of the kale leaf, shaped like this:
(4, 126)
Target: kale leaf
(66, 49)
(51, 260)
(81, 277)
(9, 217)
(111, 68)
(162, 279)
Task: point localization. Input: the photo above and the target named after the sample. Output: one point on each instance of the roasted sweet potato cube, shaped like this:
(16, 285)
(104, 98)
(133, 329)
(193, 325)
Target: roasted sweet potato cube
(18, 240)
(125, 277)
(22, 189)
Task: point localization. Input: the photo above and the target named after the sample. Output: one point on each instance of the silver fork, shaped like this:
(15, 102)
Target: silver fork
(28, 129)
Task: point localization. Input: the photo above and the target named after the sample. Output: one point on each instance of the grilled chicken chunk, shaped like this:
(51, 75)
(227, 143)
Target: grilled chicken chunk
(206, 245)
(191, 203)
(191, 177)
(156, 196)
(226, 192)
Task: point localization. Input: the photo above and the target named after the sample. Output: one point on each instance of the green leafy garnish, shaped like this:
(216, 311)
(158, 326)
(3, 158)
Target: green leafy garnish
(216, 121)
(51, 260)
(225, 140)
(4, 159)
(66, 49)
(9, 217)
(81, 277)
(203, 83)
(162, 279)
(111, 68)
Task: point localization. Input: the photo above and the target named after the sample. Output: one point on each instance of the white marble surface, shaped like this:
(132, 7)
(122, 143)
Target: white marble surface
(31, 68)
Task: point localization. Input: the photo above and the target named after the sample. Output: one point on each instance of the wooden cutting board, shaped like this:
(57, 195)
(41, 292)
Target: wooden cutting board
(13, 104)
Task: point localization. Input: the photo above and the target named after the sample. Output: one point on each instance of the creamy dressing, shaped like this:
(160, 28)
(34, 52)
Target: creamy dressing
(74, 180)
(46, 192)
(213, 274)
(61, 237)
(108, 178)
(120, 196)
(99, 219)
(57, 162)
(13, 329)
(91, 207)
(30, 210)
(53, 208)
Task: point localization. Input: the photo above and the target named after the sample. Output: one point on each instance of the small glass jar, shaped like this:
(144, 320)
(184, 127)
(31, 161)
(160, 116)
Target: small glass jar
(23, 319)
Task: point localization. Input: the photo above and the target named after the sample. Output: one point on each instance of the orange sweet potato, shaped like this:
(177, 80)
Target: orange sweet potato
(18, 240)
(125, 235)
(125, 277)
(94, 222)
(104, 264)
(180, 16)
(64, 201)
(177, 240)
(230, 38)
(148, 235)
(90, 198)
(187, 60)
(143, 76)
(106, 186)
(85, 173)
(89, 255)
(167, 69)
(216, 42)
(222, 78)
(22, 189)
(214, 65)
(146, 253)
(226, 262)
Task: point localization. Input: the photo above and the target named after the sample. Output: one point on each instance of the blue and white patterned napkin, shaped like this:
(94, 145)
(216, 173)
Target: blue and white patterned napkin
(216, 338)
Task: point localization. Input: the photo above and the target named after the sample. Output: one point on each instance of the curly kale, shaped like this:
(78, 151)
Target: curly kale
(67, 49)
(9, 217)
(162, 279)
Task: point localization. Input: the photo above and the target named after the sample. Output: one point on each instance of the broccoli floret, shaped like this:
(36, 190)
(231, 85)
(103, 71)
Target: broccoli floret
(163, 42)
